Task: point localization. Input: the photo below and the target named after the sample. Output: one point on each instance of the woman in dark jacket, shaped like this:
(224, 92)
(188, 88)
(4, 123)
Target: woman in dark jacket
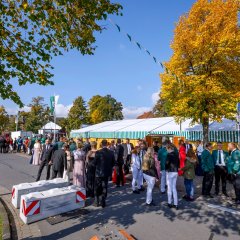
(149, 174)
(172, 166)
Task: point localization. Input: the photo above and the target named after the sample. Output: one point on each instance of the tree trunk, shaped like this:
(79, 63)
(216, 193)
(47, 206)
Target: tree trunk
(205, 125)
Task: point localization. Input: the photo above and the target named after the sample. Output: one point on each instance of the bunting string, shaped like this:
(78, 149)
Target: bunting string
(141, 47)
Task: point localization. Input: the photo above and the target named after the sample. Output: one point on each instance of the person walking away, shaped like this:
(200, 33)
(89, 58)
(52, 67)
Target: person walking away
(119, 163)
(104, 162)
(234, 169)
(66, 173)
(155, 146)
(136, 170)
(182, 155)
(90, 175)
(112, 146)
(79, 170)
(220, 162)
(199, 150)
(172, 166)
(59, 144)
(25, 145)
(150, 174)
(128, 147)
(87, 146)
(189, 174)
(15, 144)
(59, 162)
(37, 153)
(11, 145)
(19, 144)
(208, 170)
(141, 156)
(2, 144)
(46, 159)
(162, 156)
(72, 145)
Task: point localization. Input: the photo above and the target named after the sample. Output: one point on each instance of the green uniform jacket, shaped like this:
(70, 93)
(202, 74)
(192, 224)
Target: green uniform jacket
(162, 156)
(189, 168)
(215, 156)
(207, 162)
(234, 162)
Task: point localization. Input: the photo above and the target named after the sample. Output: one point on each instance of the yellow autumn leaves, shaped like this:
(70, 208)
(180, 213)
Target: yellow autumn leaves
(206, 61)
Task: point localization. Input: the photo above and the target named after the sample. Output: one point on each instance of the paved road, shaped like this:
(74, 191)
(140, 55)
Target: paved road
(196, 220)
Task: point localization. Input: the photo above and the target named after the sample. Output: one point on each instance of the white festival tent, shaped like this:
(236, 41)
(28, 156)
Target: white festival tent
(140, 128)
(49, 127)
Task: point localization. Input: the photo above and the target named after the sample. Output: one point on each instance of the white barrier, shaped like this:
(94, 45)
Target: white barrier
(40, 205)
(25, 188)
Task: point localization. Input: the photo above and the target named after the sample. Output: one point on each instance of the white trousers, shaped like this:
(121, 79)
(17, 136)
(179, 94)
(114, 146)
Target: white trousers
(141, 177)
(136, 178)
(150, 185)
(163, 181)
(172, 190)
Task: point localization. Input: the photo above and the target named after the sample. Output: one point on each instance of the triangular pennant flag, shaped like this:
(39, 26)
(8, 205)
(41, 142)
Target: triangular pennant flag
(138, 45)
(148, 52)
(130, 38)
(155, 60)
(119, 29)
(161, 64)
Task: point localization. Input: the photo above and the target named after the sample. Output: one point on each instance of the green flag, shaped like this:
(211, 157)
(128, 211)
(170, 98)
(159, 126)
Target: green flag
(52, 104)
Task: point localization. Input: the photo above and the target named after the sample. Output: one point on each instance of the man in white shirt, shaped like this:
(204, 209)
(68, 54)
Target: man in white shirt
(128, 147)
(220, 162)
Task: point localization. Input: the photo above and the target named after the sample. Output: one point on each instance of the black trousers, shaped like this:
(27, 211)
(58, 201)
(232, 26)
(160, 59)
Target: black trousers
(57, 173)
(127, 164)
(220, 174)
(207, 183)
(41, 167)
(119, 172)
(236, 185)
(101, 189)
(2, 149)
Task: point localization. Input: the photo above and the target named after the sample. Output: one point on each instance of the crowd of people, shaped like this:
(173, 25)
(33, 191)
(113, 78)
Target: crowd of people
(92, 168)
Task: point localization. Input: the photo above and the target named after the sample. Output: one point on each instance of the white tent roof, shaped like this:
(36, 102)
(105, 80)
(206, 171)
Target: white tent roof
(51, 126)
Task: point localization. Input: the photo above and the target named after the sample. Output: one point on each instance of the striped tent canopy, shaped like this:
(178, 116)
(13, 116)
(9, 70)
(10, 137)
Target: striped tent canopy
(133, 128)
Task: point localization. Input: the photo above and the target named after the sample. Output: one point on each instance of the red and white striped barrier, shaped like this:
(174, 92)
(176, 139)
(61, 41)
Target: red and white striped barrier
(40, 205)
(25, 188)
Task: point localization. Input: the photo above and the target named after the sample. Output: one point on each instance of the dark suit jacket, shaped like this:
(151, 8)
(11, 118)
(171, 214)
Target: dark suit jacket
(59, 160)
(119, 154)
(104, 162)
(47, 154)
(215, 156)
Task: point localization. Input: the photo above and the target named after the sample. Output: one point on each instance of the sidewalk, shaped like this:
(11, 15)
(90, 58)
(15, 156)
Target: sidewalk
(19, 229)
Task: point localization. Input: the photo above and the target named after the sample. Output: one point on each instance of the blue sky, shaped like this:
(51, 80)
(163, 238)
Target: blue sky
(118, 67)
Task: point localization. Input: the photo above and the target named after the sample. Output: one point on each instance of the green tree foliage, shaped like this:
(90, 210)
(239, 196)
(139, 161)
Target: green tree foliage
(4, 119)
(37, 117)
(104, 109)
(33, 31)
(78, 115)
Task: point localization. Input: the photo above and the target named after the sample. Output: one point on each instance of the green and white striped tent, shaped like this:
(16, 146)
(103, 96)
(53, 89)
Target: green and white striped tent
(140, 128)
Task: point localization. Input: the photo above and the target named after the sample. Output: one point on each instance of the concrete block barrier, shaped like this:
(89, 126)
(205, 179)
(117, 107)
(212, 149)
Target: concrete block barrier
(25, 188)
(40, 205)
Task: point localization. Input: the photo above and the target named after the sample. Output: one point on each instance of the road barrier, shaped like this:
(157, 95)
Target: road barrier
(40, 205)
(25, 188)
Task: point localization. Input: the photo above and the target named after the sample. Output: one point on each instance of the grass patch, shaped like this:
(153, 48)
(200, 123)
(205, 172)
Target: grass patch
(1, 227)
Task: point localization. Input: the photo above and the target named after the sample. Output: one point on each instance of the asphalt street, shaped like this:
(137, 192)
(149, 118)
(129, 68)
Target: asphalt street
(200, 220)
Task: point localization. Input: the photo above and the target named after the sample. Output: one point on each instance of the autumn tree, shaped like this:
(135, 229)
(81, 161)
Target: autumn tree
(4, 119)
(104, 108)
(203, 75)
(32, 32)
(37, 117)
(78, 115)
(161, 108)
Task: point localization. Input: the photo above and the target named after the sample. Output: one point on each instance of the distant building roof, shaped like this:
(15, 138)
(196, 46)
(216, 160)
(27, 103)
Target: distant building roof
(146, 115)
(51, 126)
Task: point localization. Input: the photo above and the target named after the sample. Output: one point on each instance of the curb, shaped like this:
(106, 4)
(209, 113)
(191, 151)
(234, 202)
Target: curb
(6, 232)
